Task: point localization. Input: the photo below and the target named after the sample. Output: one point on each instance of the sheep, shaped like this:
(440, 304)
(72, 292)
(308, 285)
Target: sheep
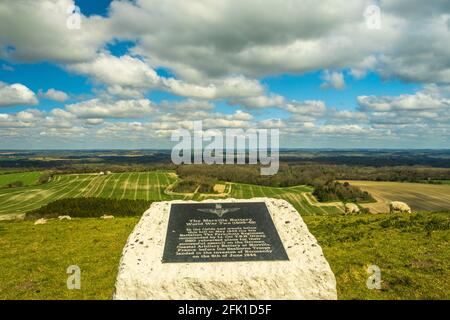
(41, 221)
(64, 218)
(351, 208)
(397, 206)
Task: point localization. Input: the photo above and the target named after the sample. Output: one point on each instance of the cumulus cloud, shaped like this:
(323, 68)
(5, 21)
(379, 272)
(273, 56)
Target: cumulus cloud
(53, 94)
(37, 30)
(128, 76)
(96, 108)
(263, 101)
(198, 39)
(236, 37)
(414, 102)
(121, 73)
(230, 87)
(307, 108)
(187, 105)
(218, 52)
(333, 79)
(16, 95)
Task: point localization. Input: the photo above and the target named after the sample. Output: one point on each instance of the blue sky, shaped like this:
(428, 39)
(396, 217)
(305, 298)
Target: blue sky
(135, 71)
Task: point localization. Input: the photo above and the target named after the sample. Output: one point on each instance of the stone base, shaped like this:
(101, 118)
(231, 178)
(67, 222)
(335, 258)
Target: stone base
(142, 275)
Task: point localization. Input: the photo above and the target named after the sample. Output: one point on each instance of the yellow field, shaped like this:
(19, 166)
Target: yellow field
(419, 196)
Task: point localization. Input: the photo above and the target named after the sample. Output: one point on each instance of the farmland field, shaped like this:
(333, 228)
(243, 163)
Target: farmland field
(295, 195)
(151, 186)
(130, 185)
(27, 178)
(419, 196)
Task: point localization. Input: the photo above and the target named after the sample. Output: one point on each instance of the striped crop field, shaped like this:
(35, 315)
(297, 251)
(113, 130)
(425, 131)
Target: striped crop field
(130, 185)
(151, 186)
(27, 178)
(295, 195)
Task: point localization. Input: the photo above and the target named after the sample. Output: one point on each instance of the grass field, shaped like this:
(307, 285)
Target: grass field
(34, 259)
(151, 186)
(419, 196)
(411, 251)
(27, 178)
(131, 185)
(294, 195)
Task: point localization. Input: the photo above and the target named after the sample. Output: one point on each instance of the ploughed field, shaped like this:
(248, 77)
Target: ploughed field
(419, 196)
(150, 186)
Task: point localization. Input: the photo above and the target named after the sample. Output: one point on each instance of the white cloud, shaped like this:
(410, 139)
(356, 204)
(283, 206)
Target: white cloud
(333, 79)
(187, 105)
(307, 108)
(53, 94)
(263, 101)
(128, 76)
(37, 30)
(16, 95)
(96, 108)
(199, 40)
(230, 87)
(413, 102)
(119, 72)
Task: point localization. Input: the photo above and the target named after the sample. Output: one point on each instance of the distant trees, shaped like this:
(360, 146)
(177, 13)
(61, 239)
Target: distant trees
(336, 191)
(189, 184)
(45, 178)
(321, 177)
(286, 176)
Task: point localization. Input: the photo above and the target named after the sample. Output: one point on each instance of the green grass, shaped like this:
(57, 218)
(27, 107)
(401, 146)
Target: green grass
(27, 178)
(412, 252)
(292, 194)
(34, 259)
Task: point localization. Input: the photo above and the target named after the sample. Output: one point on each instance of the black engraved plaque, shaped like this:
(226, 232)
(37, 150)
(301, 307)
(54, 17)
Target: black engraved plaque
(213, 232)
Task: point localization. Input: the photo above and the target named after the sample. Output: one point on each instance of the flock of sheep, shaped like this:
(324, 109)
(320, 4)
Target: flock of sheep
(394, 207)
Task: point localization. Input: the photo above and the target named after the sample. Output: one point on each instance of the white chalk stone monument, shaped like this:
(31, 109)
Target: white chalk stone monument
(223, 249)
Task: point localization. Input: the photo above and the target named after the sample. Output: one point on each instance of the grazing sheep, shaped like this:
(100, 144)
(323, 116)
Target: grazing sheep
(107, 217)
(41, 221)
(351, 208)
(64, 218)
(397, 206)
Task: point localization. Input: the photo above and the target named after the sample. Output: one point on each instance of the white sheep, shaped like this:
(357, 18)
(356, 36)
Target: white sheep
(397, 206)
(351, 208)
